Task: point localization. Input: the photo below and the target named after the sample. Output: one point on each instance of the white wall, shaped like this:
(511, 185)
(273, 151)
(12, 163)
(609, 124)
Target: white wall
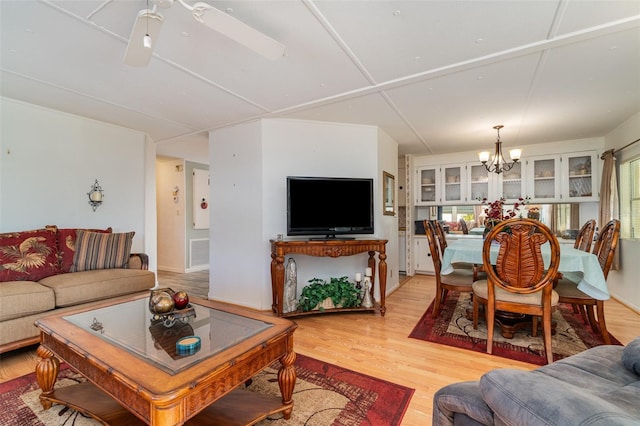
(249, 166)
(623, 284)
(49, 160)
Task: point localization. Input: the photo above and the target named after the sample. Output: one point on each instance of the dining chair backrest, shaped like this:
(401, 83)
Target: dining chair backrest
(434, 246)
(520, 267)
(606, 245)
(585, 236)
(442, 236)
(463, 226)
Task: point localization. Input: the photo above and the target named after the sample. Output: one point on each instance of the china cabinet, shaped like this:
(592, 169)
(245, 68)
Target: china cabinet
(512, 183)
(579, 176)
(543, 178)
(438, 185)
(480, 183)
(427, 192)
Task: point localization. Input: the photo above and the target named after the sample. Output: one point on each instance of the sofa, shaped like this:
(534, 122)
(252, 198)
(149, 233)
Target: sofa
(599, 386)
(55, 269)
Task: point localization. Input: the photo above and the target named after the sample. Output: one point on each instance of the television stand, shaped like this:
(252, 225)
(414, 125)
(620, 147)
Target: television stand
(327, 248)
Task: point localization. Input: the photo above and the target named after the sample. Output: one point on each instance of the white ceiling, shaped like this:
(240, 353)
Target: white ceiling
(435, 75)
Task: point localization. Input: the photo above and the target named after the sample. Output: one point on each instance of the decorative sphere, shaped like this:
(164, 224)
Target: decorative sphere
(161, 303)
(181, 299)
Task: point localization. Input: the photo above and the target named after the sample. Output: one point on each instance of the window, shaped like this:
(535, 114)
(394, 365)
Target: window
(630, 199)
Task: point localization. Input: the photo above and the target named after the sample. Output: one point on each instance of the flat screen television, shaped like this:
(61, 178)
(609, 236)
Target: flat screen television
(329, 206)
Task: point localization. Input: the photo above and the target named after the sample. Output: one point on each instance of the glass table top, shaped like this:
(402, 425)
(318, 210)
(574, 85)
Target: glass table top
(132, 327)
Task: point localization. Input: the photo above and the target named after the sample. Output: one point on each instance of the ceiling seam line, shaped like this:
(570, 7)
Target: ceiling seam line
(406, 121)
(339, 41)
(84, 95)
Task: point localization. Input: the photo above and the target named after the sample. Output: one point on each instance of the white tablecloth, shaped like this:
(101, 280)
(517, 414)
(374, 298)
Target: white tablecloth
(576, 265)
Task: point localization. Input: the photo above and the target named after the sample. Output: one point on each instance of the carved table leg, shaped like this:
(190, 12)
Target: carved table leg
(46, 374)
(287, 381)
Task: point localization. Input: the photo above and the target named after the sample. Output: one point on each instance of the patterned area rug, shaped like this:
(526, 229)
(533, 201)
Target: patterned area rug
(325, 394)
(453, 328)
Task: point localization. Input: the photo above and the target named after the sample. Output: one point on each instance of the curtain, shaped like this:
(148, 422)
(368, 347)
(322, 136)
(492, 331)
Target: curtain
(609, 205)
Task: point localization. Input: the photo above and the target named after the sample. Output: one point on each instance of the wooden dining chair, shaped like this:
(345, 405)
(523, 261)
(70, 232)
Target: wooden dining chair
(462, 224)
(568, 292)
(520, 282)
(441, 236)
(459, 280)
(585, 236)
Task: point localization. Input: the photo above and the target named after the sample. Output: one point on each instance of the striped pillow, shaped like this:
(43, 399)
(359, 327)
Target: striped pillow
(96, 250)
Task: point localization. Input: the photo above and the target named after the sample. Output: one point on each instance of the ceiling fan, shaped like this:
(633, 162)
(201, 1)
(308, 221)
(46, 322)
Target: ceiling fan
(148, 23)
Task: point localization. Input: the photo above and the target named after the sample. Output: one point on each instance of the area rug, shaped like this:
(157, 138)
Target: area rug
(325, 394)
(453, 327)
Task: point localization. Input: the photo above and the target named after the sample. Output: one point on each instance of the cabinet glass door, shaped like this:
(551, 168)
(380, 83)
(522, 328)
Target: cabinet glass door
(512, 183)
(478, 182)
(427, 186)
(452, 177)
(545, 179)
(580, 176)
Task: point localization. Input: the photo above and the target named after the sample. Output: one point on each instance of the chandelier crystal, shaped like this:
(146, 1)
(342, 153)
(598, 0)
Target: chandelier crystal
(498, 164)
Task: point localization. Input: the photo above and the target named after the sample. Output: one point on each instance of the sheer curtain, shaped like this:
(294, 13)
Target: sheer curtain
(609, 205)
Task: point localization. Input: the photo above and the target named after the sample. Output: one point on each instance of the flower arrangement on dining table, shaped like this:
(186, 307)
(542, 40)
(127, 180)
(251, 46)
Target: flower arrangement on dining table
(495, 211)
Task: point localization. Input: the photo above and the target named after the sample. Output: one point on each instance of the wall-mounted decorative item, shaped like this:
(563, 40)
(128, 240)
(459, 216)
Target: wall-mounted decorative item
(389, 193)
(96, 194)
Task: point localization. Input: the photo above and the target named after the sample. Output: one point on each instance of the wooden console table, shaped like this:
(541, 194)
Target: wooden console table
(327, 248)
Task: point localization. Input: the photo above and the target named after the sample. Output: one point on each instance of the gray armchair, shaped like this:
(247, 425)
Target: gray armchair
(600, 386)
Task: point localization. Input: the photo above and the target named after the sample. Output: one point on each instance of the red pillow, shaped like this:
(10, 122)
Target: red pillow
(67, 245)
(28, 255)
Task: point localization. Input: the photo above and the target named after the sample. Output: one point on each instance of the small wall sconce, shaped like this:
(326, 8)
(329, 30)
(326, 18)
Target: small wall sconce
(96, 194)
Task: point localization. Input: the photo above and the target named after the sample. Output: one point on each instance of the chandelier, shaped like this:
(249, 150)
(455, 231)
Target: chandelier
(498, 164)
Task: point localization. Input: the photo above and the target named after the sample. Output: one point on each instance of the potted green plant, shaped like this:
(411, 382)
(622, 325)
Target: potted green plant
(340, 291)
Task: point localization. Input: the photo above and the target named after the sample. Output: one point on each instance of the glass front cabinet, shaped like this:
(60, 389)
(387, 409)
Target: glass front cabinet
(427, 192)
(543, 179)
(438, 185)
(512, 183)
(579, 176)
(479, 183)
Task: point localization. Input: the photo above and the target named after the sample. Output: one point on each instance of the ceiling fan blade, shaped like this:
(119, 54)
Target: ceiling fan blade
(237, 30)
(147, 22)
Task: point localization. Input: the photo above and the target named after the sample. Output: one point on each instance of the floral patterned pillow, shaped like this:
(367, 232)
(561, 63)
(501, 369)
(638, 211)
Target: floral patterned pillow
(28, 255)
(67, 245)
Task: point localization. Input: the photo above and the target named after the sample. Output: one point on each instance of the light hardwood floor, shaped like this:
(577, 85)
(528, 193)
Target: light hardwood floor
(379, 346)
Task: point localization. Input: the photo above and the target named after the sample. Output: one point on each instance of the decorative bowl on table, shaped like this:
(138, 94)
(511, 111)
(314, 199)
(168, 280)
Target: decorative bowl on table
(169, 307)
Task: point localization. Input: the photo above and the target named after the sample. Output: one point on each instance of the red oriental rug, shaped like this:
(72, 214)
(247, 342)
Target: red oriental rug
(325, 394)
(454, 328)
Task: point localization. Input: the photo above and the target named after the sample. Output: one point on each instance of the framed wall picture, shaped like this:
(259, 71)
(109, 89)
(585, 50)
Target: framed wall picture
(389, 193)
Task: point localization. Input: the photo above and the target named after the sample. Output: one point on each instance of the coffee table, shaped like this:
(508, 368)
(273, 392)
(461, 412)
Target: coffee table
(135, 376)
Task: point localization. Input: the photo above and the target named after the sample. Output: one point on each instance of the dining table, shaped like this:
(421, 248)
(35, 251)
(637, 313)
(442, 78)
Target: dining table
(576, 265)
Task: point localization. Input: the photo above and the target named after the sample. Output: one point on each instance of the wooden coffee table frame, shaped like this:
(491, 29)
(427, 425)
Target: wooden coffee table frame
(123, 388)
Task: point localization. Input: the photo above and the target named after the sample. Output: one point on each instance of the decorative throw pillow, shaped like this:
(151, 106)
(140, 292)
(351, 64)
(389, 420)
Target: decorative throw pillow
(28, 255)
(95, 250)
(66, 239)
(631, 356)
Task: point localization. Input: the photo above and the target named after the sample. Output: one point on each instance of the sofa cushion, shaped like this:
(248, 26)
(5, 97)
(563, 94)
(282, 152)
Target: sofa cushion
(80, 287)
(589, 388)
(461, 403)
(22, 298)
(96, 250)
(631, 356)
(66, 243)
(28, 255)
